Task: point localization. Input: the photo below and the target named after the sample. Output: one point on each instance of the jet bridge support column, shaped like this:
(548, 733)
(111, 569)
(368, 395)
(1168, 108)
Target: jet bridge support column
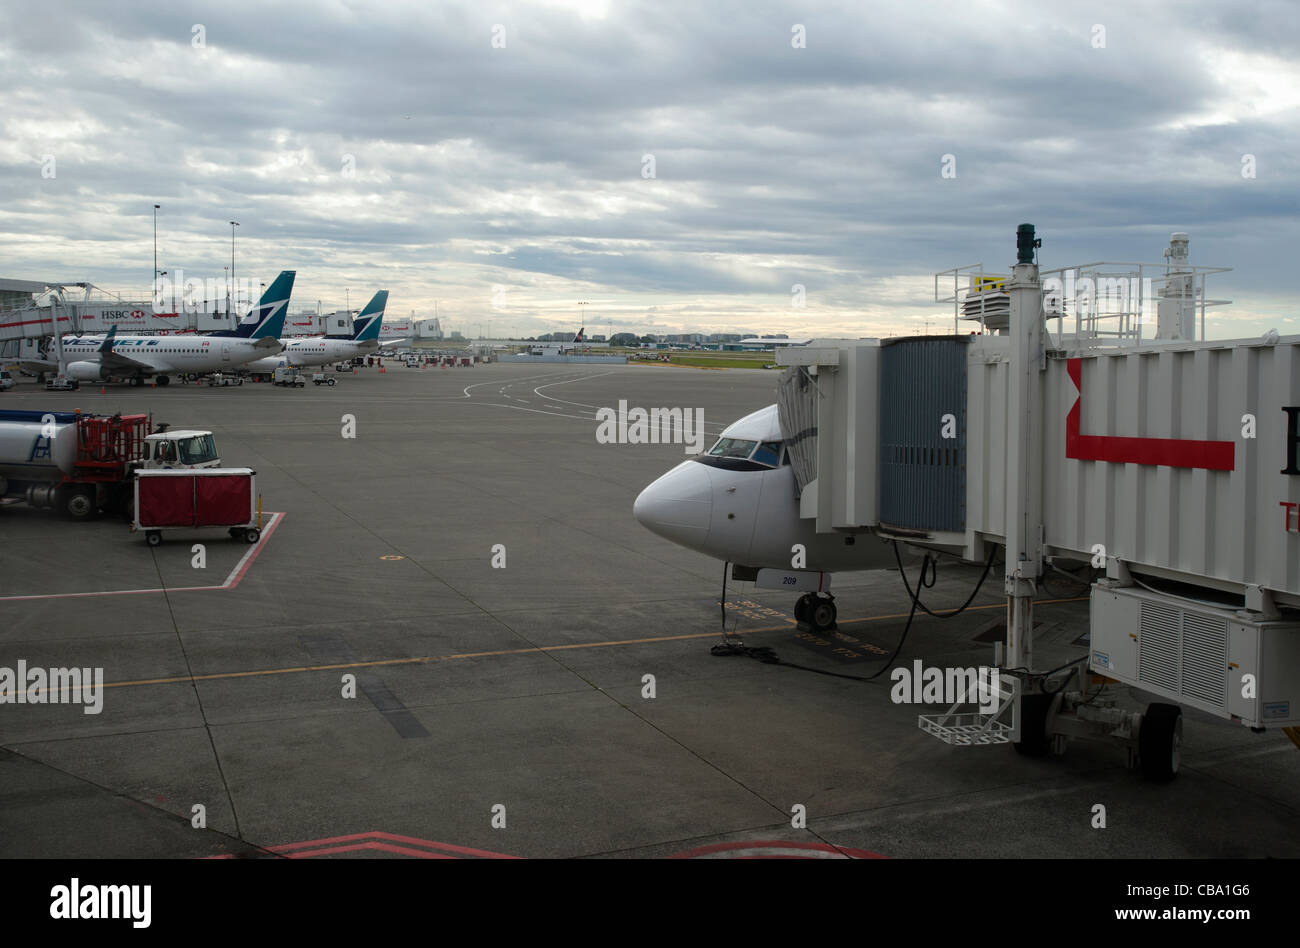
(1024, 487)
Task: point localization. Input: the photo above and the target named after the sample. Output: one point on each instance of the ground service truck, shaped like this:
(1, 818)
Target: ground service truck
(82, 464)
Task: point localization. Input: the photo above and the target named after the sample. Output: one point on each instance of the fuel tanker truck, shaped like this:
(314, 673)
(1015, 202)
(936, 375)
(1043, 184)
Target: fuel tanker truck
(82, 464)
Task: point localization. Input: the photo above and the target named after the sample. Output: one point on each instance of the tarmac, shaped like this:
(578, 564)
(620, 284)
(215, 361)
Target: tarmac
(367, 681)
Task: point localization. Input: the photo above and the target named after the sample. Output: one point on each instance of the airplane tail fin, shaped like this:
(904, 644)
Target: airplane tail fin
(107, 344)
(578, 337)
(266, 319)
(371, 319)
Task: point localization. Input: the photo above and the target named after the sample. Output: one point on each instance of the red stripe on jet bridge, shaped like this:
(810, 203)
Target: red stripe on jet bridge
(1171, 452)
(33, 322)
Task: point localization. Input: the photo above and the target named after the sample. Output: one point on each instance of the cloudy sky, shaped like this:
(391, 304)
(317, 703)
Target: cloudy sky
(677, 165)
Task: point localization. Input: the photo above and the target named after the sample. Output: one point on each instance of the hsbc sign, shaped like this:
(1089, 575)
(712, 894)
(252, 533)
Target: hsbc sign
(133, 315)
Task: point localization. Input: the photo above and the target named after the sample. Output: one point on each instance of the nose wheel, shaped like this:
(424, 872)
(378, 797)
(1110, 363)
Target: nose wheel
(816, 612)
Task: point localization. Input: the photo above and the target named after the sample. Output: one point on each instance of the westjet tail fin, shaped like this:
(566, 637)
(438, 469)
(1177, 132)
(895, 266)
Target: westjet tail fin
(107, 344)
(266, 319)
(371, 319)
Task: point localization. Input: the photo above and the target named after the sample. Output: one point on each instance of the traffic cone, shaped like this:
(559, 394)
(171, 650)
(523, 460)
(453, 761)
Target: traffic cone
(101, 390)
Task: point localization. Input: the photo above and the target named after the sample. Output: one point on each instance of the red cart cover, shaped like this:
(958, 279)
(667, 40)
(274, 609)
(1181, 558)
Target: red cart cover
(166, 502)
(223, 501)
(211, 497)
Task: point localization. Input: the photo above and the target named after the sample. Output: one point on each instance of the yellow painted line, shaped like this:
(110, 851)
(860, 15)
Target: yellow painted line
(996, 605)
(425, 659)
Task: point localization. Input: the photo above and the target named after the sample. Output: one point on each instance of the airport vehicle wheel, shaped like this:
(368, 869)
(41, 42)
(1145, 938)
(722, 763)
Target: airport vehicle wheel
(329, 382)
(252, 534)
(1160, 741)
(153, 537)
(1033, 725)
(136, 381)
(822, 614)
(79, 505)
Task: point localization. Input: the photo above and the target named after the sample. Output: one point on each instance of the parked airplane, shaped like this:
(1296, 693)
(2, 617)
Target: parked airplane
(322, 350)
(736, 502)
(559, 348)
(136, 358)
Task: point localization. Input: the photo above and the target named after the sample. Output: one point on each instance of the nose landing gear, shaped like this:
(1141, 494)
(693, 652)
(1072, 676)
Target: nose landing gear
(816, 612)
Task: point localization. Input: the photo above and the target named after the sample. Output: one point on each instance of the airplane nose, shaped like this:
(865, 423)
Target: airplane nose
(678, 505)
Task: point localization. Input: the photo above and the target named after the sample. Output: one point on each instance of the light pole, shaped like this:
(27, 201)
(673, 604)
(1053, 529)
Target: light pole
(155, 244)
(233, 225)
(227, 269)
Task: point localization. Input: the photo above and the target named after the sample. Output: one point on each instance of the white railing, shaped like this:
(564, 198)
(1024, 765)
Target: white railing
(1105, 301)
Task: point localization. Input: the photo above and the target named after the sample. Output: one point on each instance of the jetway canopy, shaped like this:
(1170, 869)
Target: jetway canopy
(1179, 460)
(18, 294)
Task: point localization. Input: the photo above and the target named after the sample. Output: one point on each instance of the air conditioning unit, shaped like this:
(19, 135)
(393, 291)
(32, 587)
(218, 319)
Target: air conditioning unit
(1214, 658)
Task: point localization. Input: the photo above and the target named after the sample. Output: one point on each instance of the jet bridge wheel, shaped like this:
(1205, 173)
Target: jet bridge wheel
(1160, 741)
(1034, 740)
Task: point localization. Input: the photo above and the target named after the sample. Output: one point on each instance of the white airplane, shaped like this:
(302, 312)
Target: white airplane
(322, 350)
(737, 503)
(559, 348)
(136, 358)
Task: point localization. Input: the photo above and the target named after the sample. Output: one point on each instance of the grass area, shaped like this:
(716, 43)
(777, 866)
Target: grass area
(709, 359)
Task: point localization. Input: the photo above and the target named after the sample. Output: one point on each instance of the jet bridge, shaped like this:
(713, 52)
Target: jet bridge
(31, 310)
(1170, 461)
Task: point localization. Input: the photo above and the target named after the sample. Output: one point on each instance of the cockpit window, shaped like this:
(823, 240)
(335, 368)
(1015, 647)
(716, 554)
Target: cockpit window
(732, 448)
(769, 453)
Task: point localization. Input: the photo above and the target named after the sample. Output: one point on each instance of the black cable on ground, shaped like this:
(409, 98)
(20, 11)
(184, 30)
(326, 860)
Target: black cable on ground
(767, 656)
(946, 615)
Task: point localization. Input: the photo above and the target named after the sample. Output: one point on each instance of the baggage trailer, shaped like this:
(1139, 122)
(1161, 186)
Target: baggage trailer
(198, 499)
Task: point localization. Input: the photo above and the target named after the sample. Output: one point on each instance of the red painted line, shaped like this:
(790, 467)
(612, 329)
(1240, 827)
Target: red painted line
(385, 847)
(775, 844)
(232, 580)
(411, 840)
(242, 568)
(1170, 452)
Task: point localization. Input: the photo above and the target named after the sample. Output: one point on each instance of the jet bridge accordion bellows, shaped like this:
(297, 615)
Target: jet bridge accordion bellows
(923, 433)
(796, 400)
